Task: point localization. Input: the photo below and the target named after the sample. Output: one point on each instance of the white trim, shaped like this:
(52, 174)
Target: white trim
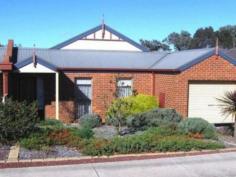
(84, 81)
(124, 82)
(30, 68)
(57, 94)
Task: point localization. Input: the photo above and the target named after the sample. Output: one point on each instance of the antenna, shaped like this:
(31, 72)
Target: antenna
(34, 57)
(103, 26)
(217, 46)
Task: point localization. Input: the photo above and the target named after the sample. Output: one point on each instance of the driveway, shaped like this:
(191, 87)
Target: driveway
(215, 165)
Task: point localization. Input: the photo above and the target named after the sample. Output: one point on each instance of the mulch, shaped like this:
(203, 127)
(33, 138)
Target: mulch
(4, 151)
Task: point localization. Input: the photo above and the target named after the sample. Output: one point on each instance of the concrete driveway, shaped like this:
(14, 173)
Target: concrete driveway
(215, 165)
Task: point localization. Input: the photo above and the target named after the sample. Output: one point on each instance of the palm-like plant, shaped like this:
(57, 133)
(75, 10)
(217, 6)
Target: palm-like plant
(229, 106)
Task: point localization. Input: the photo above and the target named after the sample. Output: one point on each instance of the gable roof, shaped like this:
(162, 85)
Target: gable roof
(116, 60)
(93, 30)
(181, 60)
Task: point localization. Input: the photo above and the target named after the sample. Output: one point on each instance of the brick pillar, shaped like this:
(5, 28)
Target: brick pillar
(5, 75)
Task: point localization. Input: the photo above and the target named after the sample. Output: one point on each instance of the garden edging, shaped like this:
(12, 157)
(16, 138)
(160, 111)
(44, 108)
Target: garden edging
(97, 159)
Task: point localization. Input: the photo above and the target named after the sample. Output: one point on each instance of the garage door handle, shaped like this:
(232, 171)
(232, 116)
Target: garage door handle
(215, 105)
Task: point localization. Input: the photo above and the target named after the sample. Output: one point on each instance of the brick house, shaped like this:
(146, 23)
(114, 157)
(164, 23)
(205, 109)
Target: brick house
(80, 76)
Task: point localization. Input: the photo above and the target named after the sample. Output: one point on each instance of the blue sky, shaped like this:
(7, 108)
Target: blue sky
(48, 22)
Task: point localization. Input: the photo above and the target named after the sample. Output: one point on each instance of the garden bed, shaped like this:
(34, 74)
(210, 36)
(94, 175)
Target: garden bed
(4, 151)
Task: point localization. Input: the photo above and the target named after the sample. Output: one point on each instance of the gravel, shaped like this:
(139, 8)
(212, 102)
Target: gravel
(105, 131)
(4, 151)
(54, 152)
(228, 141)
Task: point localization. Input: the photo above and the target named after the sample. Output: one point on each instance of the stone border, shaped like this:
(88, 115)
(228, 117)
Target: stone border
(100, 159)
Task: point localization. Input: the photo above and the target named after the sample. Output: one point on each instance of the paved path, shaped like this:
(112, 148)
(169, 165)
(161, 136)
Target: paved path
(216, 165)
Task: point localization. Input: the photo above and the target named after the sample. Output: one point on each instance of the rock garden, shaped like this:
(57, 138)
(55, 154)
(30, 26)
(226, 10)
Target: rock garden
(133, 125)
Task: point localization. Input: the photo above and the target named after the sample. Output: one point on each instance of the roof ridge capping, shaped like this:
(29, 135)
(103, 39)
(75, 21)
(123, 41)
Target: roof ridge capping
(86, 33)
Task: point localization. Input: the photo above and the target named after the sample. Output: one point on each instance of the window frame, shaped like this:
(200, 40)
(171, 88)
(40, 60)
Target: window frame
(83, 84)
(121, 86)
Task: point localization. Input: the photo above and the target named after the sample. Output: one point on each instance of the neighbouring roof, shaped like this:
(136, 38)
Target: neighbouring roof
(91, 31)
(2, 53)
(231, 52)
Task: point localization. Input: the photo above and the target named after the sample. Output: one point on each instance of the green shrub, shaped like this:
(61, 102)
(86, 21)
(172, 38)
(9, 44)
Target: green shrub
(90, 120)
(164, 130)
(37, 141)
(17, 119)
(152, 140)
(121, 108)
(47, 137)
(124, 107)
(198, 126)
(154, 118)
(83, 132)
(181, 143)
(51, 124)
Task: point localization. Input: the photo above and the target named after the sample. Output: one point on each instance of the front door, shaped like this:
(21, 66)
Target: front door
(26, 89)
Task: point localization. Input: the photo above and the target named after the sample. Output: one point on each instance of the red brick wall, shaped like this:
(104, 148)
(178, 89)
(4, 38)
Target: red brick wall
(175, 87)
(1, 87)
(103, 88)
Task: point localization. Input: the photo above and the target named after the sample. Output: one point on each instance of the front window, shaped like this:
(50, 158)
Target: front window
(83, 96)
(124, 87)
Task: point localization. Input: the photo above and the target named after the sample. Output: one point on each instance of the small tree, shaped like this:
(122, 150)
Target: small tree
(17, 120)
(229, 106)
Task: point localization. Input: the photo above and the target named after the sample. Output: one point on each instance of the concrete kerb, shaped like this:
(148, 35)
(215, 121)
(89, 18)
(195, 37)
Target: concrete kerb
(99, 159)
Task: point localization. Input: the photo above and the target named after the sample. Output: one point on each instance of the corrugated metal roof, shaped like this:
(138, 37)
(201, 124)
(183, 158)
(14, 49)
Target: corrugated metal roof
(55, 58)
(178, 59)
(92, 59)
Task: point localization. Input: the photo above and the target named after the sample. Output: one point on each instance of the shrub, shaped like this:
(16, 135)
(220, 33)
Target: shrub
(83, 132)
(200, 126)
(90, 120)
(155, 139)
(154, 118)
(44, 138)
(51, 124)
(121, 108)
(17, 119)
(124, 107)
(39, 140)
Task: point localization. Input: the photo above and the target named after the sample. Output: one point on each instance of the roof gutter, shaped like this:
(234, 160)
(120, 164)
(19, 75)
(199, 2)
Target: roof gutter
(120, 70)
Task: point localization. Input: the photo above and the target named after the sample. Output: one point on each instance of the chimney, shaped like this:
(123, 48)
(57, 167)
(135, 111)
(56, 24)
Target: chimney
(9, 52)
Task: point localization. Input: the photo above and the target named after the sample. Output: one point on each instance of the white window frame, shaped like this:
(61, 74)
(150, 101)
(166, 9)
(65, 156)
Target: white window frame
(124, 82)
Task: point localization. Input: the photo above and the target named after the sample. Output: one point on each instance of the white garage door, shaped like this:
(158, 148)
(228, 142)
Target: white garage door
(203, 103)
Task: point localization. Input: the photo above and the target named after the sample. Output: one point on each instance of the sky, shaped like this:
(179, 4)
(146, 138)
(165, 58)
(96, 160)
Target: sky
(46, 23)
